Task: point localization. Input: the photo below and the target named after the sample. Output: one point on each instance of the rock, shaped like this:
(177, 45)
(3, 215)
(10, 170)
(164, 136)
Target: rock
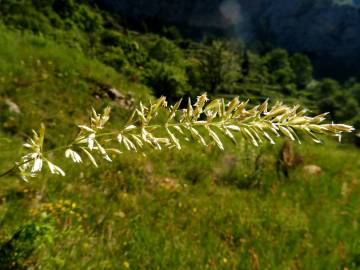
(170, 184)
(106, 91)
(312, 170)
(226, 163)
(120, 214)
(12, 106)
(113, 93)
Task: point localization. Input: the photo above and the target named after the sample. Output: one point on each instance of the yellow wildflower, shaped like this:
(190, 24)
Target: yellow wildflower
(127, 265)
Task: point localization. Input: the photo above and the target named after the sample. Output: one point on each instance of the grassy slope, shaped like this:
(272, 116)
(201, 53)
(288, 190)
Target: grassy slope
(166, 210)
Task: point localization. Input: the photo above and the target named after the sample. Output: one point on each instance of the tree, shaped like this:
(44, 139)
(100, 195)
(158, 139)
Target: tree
(355, 91)
(65, 8)
(302, 69)
(278, 64)
(87, 19)
(327, 87)
(277, 59)
(166, 51)
(165, 79)
(219, 68)
(336, 100)
(245, 64)
(171, 32)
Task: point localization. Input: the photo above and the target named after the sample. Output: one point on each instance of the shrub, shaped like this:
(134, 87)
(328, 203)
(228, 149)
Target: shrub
(111, 38)
(15, 253)
(327, 87)
(194, 76)
(166, 51)
(172, 33)
(33, 21)
(355, 91)
(277, 59)
(43, 4)
(302, 68)
(219, 68)
(115, 58)
(339, 102)
(65, 8)
(282, 76)
(88, 20)
(165, 79)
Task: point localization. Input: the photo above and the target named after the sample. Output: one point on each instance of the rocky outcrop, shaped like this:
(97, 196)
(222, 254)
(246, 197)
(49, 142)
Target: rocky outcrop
(328, 32)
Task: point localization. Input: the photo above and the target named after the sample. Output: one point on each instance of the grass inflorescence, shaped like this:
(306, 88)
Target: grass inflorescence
(254, 126)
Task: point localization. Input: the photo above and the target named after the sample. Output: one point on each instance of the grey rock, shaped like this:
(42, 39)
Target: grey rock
(115, 94)
(312, 170)
(12, 106)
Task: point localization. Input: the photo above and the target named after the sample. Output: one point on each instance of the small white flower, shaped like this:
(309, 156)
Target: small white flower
(92, 159)
(268, 137)
(339, 137)
(216, 139)
(37, 165)
(86, 128)
(201, 100)
(107, 157)
(51, 167)
(103, 151)
(119, 138)
(90, 141)
(131, 127)
(60, 171)
(27, 145)
(210, 114)
(24, 174)
(73, 155)
(129, 144)
(55, 169)
(233, 127)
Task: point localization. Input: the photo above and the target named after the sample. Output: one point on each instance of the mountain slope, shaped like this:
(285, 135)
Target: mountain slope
(328, 32)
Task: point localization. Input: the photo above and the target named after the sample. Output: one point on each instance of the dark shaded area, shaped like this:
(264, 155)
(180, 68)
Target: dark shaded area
(327, 32)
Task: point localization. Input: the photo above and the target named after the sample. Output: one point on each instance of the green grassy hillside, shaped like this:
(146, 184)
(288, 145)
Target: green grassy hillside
(198, 208)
